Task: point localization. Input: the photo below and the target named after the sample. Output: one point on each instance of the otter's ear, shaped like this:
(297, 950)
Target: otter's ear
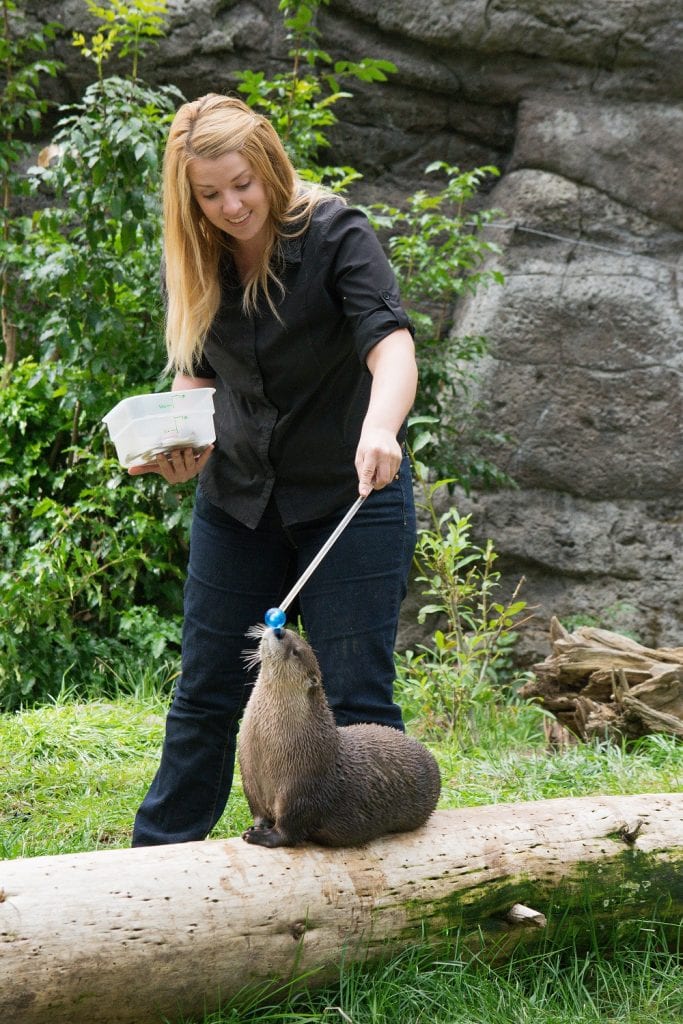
(313, 683)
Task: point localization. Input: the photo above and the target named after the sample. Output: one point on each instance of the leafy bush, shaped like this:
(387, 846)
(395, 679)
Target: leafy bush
(299, 103)
(437, 251)
(91, 260)
(83, 546)
(91, 559)
(21, 110)
(126, 25)
(468, 662)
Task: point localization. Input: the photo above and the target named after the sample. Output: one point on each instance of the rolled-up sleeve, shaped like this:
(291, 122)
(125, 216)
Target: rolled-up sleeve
(202, 368)
(364, 280)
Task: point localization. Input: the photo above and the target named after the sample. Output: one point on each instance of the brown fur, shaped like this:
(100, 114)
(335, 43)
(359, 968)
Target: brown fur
(306, 779)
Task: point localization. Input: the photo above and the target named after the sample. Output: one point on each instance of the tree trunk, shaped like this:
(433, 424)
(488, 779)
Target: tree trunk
(131, 936)
(602, 684)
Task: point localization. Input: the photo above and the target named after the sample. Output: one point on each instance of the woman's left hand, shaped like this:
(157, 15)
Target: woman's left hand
(378, 459)
(177, 466)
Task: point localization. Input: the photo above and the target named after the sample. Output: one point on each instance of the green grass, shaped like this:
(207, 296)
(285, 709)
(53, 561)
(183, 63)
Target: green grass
(73, 775)
(501, 773)
(640, 984)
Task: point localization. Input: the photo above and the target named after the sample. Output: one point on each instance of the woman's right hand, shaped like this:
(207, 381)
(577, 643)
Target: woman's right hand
(177, 466)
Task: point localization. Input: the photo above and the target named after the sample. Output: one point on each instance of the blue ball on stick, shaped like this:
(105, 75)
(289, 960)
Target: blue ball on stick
(275, 618)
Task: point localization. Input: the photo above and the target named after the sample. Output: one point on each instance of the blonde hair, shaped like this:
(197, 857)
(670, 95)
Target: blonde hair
(208, 128)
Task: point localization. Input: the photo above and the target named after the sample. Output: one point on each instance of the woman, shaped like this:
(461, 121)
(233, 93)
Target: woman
(279, 296)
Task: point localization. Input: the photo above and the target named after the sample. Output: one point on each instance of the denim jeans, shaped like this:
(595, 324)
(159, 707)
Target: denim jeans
(349, 609)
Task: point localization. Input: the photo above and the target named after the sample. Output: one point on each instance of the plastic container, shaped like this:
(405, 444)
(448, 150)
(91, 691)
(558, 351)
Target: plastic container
(144, 425)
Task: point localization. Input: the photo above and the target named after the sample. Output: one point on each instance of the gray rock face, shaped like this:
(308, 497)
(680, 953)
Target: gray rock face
(584, 345)
(632, 152)
(584, 368)
(580, 105)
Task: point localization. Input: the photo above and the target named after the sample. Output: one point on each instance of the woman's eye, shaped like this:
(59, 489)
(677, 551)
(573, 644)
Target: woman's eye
(244, 186)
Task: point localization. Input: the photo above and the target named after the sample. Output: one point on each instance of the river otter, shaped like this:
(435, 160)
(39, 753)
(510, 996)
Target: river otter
(307, 779)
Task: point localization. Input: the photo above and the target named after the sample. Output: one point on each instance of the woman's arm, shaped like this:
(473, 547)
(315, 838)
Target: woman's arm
(394, 382)
(183, 383)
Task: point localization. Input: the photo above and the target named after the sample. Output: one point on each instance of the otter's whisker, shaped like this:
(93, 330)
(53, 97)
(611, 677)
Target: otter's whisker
(251, 657)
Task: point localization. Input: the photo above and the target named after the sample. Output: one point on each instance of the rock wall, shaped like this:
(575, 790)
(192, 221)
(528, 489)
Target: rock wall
(580, 105)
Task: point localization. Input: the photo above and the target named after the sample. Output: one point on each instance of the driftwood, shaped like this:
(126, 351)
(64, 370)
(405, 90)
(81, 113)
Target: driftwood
(602, 684)
(133, 936)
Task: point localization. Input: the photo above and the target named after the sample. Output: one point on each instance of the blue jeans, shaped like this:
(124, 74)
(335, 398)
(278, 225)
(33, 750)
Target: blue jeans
(349, 609)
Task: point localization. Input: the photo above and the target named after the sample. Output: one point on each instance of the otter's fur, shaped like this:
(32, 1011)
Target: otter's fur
(306, 779)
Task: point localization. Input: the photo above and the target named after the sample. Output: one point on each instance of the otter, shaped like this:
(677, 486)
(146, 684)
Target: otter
(305, 778)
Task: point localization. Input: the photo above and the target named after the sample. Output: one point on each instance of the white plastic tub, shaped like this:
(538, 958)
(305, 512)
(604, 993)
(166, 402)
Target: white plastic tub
(144, 425)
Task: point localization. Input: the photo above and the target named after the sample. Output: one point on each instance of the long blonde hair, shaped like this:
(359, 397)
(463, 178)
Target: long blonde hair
(208, 128)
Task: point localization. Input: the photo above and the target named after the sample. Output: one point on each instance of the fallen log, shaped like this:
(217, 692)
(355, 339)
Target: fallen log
(600, 684)
(136, 936)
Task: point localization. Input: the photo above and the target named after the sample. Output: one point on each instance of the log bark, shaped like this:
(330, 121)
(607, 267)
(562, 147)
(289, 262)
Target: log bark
(133, 936)
(602, 684)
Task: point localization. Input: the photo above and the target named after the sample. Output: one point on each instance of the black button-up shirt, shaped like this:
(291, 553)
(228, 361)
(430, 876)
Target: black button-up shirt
(291, 394)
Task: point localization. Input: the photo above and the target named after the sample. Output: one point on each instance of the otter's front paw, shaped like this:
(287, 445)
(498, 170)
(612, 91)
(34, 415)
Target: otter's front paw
(248, 833)
(264, 837)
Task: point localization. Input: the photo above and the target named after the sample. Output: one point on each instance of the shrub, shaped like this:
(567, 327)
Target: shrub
(468, 661)
(438, 253)
(91, 260)
(21, 110)
(299, 102)
(91, 559)
(82, 543)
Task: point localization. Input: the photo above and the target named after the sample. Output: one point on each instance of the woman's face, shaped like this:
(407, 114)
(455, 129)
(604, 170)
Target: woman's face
(231, 197)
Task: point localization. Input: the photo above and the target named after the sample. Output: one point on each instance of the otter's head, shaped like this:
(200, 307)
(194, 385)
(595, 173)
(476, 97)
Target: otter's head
(286, 660)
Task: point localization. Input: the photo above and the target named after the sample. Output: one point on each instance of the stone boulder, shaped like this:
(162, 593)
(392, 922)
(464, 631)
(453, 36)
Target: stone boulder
(584, 374)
